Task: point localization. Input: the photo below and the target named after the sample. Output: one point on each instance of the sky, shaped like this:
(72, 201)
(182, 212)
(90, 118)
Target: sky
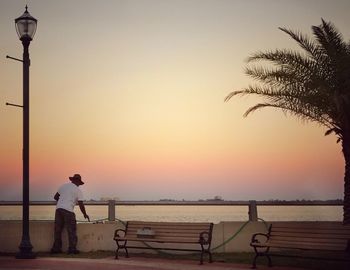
(130, 94)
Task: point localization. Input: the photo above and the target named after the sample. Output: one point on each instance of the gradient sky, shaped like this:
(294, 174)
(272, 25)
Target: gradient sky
(130, 94)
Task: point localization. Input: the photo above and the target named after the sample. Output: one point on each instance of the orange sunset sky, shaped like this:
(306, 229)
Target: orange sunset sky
(130, 94)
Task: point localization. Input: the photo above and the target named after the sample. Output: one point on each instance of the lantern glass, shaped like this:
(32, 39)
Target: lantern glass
(26, 26)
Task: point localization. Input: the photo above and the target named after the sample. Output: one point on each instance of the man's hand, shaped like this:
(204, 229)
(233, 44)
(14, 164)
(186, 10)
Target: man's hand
(57, 196)
(87, 217)
(82, 209)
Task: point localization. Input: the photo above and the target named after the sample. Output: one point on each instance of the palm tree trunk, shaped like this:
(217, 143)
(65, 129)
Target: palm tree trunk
(346, 152)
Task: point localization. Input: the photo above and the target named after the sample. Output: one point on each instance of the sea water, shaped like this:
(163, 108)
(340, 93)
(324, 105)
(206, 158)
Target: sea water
(185, 213)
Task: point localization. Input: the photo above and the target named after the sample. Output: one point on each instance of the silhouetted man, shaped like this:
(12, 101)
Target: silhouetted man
(67, 196)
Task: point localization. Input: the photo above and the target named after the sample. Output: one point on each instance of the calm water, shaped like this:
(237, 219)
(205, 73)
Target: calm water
(186, 213)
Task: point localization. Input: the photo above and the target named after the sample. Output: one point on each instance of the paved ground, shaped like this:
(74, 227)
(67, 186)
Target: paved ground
(10, 263)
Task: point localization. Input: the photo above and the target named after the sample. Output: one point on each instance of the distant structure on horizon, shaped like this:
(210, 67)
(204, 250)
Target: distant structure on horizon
(108, 198)
(215, 199)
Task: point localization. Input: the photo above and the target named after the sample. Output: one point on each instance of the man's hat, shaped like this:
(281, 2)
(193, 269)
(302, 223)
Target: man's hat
(76, 177)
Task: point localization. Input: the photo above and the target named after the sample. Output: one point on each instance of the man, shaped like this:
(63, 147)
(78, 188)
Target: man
(67, 197)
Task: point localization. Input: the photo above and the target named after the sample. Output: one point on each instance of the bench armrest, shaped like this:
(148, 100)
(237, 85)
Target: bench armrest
(204, 238)
(256, 238)
(119, 233)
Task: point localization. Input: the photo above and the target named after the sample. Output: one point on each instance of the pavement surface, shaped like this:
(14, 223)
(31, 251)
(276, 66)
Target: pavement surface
(10, 263)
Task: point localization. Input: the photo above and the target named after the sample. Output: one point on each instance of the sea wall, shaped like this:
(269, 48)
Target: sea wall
(93, 237)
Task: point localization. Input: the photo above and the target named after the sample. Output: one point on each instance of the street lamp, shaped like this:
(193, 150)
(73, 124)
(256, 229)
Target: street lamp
(25, 27)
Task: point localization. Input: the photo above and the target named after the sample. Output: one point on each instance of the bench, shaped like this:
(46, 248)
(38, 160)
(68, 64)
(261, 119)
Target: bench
(309, 236)
(177, 235)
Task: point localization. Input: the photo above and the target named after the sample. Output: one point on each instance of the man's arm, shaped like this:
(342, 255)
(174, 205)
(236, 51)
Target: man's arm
(57, 196)
(82, 209)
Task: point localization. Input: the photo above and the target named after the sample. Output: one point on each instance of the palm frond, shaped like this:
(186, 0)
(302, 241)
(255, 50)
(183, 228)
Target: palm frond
(299, 112)
(330, 40)
(308, 45)
(272, 76)
(287, 60)
(333, 130)
(232, 94)
(264, 91)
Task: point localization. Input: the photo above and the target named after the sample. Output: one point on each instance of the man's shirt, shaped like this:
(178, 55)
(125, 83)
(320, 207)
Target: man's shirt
(70, 194)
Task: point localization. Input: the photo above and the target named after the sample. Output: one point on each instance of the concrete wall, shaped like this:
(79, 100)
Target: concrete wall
(225, 230)
(92, 237)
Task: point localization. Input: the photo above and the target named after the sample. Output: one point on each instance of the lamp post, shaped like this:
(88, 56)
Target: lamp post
(26, 27)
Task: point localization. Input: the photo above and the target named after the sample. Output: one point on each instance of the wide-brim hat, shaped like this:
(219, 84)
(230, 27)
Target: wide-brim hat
(76, 177)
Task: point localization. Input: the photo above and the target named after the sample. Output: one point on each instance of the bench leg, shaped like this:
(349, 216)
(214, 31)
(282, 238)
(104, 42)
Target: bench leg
(210, 257)
(257, 254)
(203, 251)
(119, 246)
(254, 261)
(116, 253)
(269, 258)
(201, 259)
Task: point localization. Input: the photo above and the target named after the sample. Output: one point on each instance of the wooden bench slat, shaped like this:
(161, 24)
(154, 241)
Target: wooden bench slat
(170, 227)
(175, 225)
(311, 229)
(308, 235)
(311, 234)
(167, 223)
(164, 234)
(310, 240)
(311, 224)
(309, 246)
(316, 230)
(169, 230)
(163, 240)
(175, 234)
(302, 247)
(164, 230)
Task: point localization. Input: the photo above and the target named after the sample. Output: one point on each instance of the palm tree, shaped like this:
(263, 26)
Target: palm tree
(312, 84)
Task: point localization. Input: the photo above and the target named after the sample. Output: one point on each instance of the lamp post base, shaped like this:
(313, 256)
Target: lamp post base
(25, 255)
(25, 250)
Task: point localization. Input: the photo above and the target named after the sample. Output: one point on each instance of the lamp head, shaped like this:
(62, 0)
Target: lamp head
(26, 26)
